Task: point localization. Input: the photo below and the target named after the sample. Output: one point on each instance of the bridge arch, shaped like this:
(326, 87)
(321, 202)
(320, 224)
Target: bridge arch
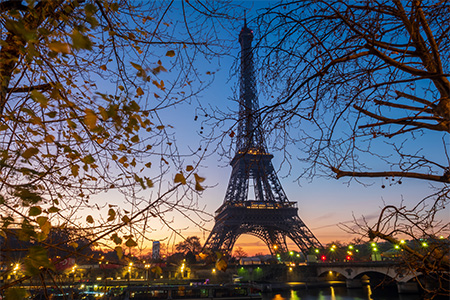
(357, 270)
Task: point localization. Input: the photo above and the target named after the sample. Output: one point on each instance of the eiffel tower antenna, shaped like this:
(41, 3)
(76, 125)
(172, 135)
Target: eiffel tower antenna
(245, 18)
(255, 202)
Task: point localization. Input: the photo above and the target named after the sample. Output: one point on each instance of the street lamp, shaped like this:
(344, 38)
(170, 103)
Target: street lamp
(147, 267)
(130, 265)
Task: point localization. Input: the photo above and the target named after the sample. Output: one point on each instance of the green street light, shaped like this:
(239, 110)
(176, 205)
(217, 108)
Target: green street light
(424, 244)
(396, 246)
(350, 247)
(317, 250)
(291, 253)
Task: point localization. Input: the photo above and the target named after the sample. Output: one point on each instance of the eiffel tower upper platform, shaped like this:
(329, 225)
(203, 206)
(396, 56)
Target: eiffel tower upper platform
(255, 202)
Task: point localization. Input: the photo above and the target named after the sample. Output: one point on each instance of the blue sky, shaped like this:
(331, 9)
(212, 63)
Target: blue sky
(323, 203)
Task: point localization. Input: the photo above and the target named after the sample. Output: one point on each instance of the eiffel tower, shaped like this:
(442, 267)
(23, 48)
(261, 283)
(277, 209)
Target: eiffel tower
(270, 216)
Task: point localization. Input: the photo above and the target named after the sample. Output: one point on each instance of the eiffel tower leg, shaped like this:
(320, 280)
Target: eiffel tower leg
(274, 240)
(221, 239)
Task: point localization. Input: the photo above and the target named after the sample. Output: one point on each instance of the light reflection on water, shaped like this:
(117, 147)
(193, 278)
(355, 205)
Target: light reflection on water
(339, 293)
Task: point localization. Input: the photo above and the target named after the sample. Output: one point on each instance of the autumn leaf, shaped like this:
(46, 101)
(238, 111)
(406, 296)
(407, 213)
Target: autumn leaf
(49, 138)
(198, 178)
(36, 259)
(103, 67)
(75, 169)
(139, 91)
(53, 209)
(59, 47)
(39, 98)
(30, 152)
(41, 221)
(111, 214)
(46, 227)
(35, 211)
(90, 219)
(126, 219)
(221, 264)
(116, 239)
(198, 187)
(130, 243)
(189, 168)
(179, 178)
(119, 252)
(136, 66)
(90, 119)
(74, 245)
(170, 53)
(149, 182)
(80, 41)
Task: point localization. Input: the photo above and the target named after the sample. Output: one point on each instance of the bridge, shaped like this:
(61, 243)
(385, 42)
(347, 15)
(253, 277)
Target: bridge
(352, 272)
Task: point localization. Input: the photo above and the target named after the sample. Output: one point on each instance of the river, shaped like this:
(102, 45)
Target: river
(340, 293)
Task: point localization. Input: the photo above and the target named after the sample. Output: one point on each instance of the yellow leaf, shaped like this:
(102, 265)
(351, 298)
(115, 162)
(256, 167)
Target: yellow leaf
(139, 91)
(116, 239)
(221, 264)
(74, 245)
(198, 187)
(123, 159)
(111, 214)
(41, 220)
(90, 219)
(125, 219)
(74, 169)
(149, 182)
(180, 178)
(136, 66)
(103, 67)
(59, 47)
(198, 178)
(30, 152)
(35, 211)
(189, 168)
(49, 138)
(90, 119)
(39, 97)
(119, 252)
(130, 243)
(170, 53)
(46, 227)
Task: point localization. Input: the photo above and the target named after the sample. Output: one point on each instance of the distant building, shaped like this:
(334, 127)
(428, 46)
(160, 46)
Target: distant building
(155, 250)
(250, 261)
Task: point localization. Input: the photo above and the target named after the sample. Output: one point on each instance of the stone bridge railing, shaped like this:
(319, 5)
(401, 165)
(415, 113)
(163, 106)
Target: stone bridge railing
(353, 271)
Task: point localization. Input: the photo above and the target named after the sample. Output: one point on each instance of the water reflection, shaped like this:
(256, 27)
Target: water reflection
(339, 293)
(333, 295)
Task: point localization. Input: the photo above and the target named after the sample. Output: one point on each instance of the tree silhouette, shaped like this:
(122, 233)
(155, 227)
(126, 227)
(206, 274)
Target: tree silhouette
(82, 86)
(362, 89)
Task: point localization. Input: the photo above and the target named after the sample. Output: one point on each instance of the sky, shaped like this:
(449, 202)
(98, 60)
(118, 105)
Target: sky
(324, 204)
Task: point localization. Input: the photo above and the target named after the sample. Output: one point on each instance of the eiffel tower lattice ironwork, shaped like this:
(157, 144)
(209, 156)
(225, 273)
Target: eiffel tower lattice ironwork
(270, 216)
